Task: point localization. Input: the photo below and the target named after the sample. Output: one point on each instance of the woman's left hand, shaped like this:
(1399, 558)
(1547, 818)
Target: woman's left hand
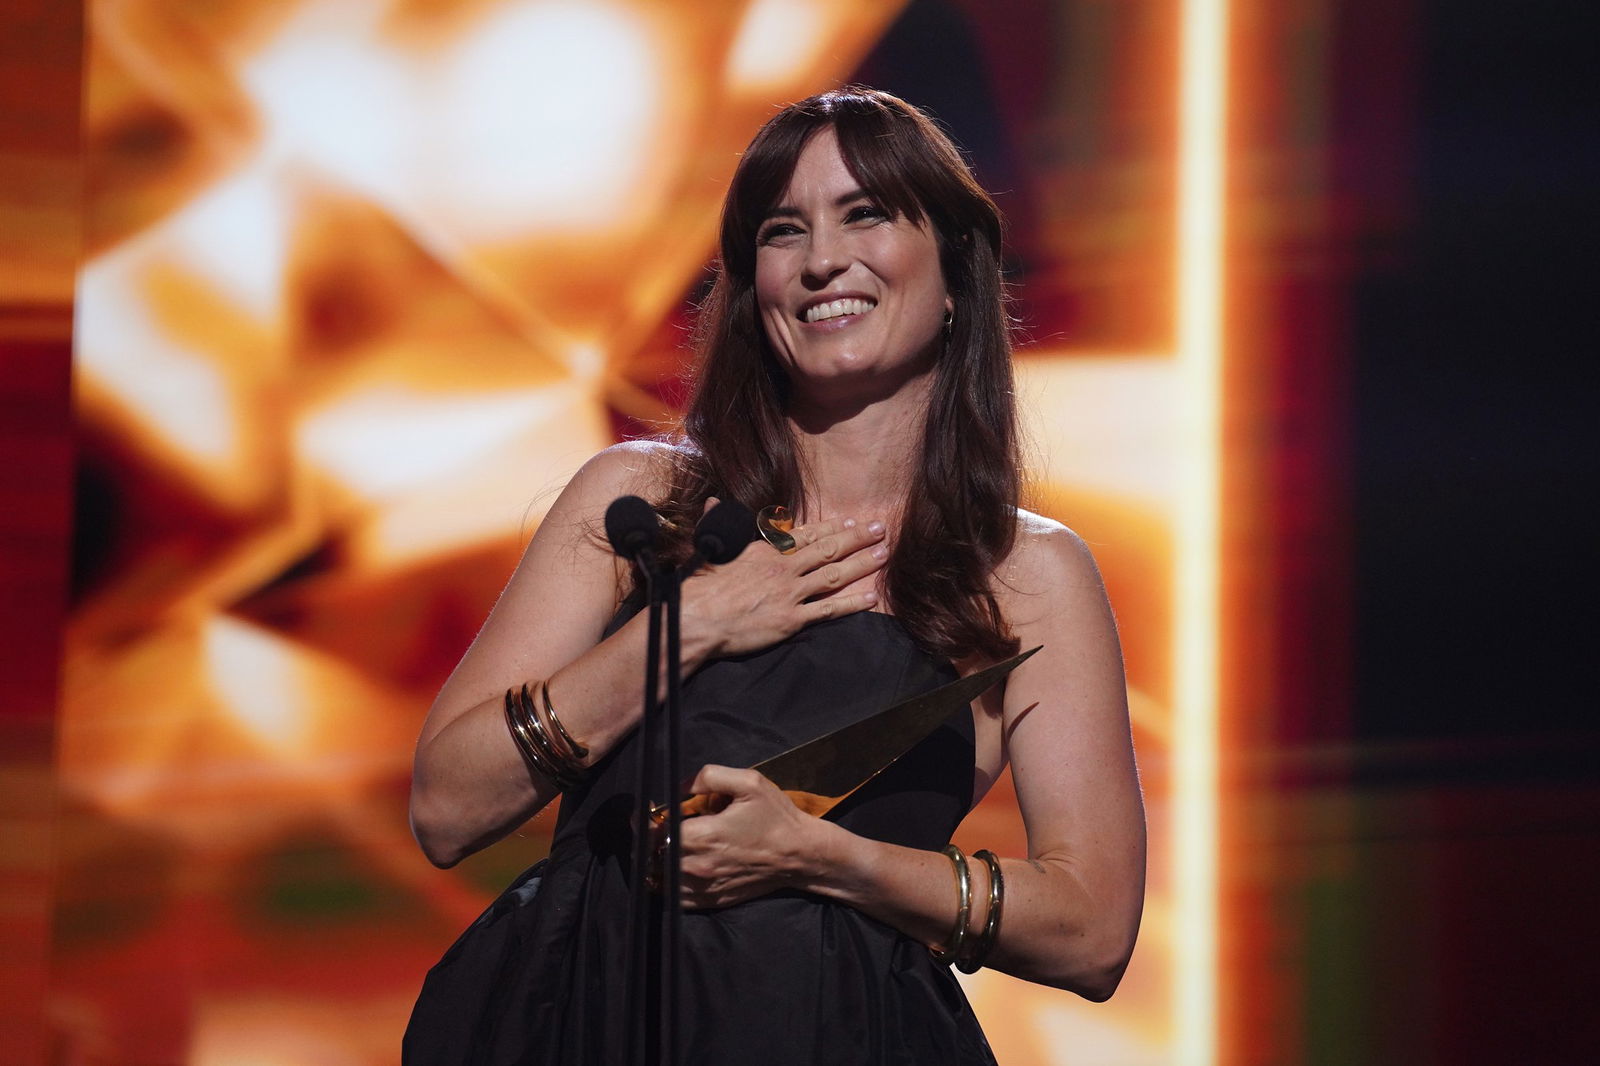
(758, 842)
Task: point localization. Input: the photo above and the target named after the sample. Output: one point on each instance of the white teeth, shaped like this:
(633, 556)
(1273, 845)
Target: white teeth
(835, 308)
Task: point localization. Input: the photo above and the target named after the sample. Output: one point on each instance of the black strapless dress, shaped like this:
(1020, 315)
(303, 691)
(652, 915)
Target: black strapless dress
(540, 979)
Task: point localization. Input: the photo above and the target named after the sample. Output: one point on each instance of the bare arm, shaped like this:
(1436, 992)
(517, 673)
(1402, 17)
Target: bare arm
(1072, 906)
(470, 786)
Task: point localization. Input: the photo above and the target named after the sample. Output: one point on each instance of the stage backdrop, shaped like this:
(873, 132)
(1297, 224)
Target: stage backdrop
(364, 281)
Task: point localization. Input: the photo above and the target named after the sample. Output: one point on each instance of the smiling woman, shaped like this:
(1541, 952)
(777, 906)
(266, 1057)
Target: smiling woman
(846, 288)
(854, 368)
(947, 468)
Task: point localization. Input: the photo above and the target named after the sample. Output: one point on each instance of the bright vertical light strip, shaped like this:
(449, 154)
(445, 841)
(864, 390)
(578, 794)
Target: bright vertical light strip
(1202, 102)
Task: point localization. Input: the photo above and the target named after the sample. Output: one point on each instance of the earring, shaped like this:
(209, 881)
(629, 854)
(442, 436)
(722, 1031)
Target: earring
(949, 319)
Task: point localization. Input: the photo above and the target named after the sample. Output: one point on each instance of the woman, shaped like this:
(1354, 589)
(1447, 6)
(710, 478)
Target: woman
(855, 368)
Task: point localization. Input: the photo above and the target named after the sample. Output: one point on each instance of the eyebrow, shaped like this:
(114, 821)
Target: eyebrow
(790, 211)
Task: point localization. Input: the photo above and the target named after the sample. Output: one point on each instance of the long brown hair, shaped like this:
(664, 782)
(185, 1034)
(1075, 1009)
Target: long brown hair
(960, 518)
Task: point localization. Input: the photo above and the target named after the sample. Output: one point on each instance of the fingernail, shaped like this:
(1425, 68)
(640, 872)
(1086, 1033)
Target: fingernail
(849, 523)
(870, 597)
(880, 552)
(876, 527)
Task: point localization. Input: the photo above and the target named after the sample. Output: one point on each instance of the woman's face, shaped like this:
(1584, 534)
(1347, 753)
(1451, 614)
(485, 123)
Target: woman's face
(852, 299)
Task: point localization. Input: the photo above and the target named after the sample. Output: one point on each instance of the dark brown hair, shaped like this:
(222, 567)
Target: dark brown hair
(960, 514)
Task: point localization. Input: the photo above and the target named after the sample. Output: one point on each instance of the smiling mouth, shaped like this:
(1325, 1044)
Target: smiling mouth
(836, 309)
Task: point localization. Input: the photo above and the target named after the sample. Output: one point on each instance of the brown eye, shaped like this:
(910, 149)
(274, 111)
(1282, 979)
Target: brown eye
(866, 213)
(776, 232)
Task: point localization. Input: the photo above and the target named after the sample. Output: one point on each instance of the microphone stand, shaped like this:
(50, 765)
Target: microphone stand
(672, 946)
(656, 934)
(644, 1005)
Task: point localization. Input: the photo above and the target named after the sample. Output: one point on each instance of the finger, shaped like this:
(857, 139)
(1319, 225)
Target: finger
(840, 573)
(727, 780)
(693, 899)
(837, 543)
(703, 803)
(809, 534)
(691, 837)
(838, 606)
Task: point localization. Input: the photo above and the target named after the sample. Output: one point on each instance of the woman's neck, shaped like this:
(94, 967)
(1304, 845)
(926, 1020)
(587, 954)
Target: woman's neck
(861, 462)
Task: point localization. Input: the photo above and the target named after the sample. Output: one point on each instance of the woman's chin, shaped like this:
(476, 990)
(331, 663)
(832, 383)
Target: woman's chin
(844, 385)
(852, 365)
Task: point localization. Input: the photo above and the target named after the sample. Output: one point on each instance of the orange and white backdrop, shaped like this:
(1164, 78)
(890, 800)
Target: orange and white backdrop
(363, 281)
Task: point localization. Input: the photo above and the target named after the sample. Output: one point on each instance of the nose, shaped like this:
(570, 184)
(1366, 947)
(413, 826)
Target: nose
(827, 256)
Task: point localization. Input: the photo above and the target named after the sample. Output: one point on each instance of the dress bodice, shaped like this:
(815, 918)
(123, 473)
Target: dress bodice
(786, 979)
(741, 710)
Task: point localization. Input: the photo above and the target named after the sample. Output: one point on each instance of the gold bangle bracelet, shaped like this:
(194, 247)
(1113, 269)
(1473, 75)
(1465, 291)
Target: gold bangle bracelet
(520, 733)
(991, 924)
(958, 935)
(576, 750)
(535, 748)
(520, 736)
(568, 772)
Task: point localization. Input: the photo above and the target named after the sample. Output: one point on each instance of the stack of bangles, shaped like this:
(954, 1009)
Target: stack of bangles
(545, 744)
(968, 957)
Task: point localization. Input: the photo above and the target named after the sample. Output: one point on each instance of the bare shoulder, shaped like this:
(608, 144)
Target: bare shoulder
(1047, 557)
(641, 467)
(568, 582)
(631, 468)
(1051, 595)
(570, 540)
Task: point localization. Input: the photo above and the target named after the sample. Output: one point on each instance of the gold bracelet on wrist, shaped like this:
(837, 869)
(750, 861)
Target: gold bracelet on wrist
(533, 741)
(574, 749)
(958, 935)
(569, 770)
(973, 959)
(520, 736)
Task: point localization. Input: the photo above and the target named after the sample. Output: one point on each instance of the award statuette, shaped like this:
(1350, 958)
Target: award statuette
(818, 774)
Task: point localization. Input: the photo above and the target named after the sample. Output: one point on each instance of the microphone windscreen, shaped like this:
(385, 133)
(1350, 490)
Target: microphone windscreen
(725, 530)
(631, 526)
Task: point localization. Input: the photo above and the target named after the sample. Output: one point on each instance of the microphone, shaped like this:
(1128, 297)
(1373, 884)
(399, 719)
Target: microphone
(724, 531)
(632, 527)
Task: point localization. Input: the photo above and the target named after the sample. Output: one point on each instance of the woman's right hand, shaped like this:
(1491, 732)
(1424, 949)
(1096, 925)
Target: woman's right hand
(763, 597)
